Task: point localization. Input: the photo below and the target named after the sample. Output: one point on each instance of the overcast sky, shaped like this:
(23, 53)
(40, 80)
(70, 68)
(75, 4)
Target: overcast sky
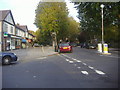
(24, 11)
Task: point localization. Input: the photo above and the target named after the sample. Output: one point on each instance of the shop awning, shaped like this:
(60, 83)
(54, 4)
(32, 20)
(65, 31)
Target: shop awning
(24, 40)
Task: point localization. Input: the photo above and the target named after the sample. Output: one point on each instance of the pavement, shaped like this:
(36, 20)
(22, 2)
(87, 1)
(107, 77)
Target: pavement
(114, 50)
(30, 54)
(45, 51)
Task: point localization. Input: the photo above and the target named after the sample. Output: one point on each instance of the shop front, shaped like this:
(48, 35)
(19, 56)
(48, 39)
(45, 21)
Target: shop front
(23, 43)
(8, 42)
(18, 43)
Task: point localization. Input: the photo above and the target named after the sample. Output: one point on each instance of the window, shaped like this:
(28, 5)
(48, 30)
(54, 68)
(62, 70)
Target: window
(5, 28)
(11, 29)
(16, 31)
(12, 42)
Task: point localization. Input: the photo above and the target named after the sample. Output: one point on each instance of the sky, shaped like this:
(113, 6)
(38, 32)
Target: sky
(23, 11)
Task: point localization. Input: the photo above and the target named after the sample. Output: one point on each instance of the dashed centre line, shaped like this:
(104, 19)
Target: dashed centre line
(91, 67)
(83, 72)
(78, 67)
(84, 64)
(100, 72)
(67, 59)
(71, 62)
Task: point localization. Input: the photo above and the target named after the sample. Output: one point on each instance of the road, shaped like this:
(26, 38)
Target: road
(83, 68)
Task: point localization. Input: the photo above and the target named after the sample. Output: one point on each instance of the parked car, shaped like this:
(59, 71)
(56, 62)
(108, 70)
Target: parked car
(73, 44)
(36, 45)
(8, 57)
(64, 47)
(91, 46)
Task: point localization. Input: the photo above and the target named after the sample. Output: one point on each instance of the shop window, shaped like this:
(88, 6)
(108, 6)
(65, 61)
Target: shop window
(13, 42)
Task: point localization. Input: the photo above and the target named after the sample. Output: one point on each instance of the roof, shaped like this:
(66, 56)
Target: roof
(24, 27)
(31, 34)
(17, 26)
(3, 14)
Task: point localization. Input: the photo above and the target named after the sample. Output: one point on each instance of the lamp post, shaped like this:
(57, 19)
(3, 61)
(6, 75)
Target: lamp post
(102, 6)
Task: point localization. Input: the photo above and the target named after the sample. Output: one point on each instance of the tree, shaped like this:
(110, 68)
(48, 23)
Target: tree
(73, 29)
(52, 17)
(90, 20)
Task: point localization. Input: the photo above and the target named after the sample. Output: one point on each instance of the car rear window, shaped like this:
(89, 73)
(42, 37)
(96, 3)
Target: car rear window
(62, 45)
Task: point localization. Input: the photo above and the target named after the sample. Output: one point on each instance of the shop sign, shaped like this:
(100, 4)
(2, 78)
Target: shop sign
(5, 34)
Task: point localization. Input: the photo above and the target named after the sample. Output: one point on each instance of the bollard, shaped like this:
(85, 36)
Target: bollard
(100, 47)
(105, 48)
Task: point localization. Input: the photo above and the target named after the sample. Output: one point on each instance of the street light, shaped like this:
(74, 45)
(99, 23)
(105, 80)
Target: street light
(102, 6)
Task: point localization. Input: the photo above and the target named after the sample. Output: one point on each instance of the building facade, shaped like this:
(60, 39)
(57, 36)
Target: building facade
(12, 36)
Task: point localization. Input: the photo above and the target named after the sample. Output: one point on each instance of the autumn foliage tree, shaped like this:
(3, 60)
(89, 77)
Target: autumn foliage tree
(53, 17)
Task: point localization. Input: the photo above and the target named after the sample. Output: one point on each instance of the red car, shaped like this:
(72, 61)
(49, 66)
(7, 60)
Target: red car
(64, 47)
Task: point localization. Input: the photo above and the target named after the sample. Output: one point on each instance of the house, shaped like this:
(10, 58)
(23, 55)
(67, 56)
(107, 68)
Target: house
(24, 41)
(31, 39)
(13, 36)
(28, 38)
(7, 30)
(21, 34)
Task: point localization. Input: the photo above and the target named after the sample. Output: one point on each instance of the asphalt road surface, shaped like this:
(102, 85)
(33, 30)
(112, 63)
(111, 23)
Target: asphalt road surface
(83, 68)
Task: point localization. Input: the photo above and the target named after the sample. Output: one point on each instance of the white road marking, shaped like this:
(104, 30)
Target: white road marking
(84, 64)
(85, 72)
(71, 58)
(78, 67)
(67, 59)
(91, 67)
(78, 61)
(74, 59)
(99, 72)
(71, 62)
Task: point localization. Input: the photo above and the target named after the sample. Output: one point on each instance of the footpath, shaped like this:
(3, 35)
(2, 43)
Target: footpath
(114, 50)
(34, 52)
(45, 51)
(48, 51)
